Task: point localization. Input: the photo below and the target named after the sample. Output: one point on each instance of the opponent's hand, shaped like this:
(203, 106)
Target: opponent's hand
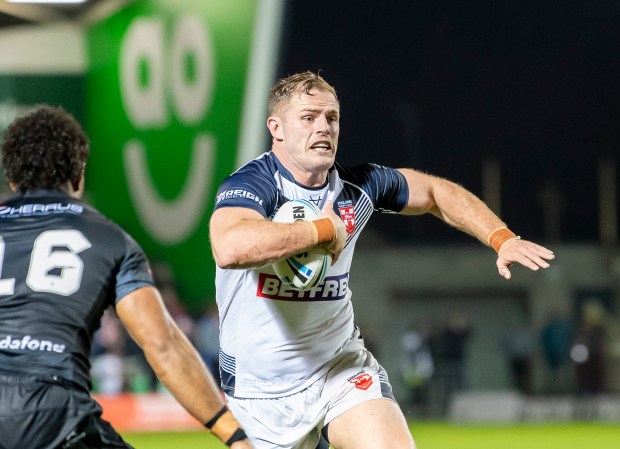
(523, 252)
(243, 444)
(335, 247)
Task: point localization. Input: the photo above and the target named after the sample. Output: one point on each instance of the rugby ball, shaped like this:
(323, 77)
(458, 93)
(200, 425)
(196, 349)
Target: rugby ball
(305, 270)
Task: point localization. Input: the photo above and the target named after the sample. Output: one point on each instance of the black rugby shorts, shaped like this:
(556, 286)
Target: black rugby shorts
(42, 414)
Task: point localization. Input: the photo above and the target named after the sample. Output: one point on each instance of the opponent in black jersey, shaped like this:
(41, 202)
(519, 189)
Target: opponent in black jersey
(316, 341)
(62, 264)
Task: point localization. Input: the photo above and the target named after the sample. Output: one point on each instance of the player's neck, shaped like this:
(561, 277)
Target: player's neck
(70, 189)
(302, 176)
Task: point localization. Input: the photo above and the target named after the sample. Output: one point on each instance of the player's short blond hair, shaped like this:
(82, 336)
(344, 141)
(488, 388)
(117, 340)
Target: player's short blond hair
(299, 83)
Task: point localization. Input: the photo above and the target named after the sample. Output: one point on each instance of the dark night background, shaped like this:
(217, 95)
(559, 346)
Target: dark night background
(440, 85)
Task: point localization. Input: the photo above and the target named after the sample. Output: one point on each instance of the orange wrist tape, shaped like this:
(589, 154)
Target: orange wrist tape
(500, 236)
(325, 229)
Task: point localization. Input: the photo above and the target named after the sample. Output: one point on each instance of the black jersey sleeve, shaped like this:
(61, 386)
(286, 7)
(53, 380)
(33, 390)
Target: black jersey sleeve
(134, 270)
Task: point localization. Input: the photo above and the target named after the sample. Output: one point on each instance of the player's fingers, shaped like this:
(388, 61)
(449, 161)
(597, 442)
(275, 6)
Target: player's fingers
(503, 268)
(525, 253)
(334, 258)
(519, 244)
(528, 254)
(538, 255)
(504, 271)
(538, 260)
(328, 211)
(328, 207)
(531, 261)
(542, 251)
(337, 245)
(518, 255)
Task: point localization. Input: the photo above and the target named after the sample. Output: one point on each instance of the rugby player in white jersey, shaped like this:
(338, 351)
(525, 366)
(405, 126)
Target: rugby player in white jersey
(294, 366)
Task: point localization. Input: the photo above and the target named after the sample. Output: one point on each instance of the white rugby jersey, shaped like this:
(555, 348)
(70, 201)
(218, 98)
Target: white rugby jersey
(275, 341)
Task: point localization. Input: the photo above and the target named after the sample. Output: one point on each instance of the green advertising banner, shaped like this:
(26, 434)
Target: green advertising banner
(170, 88)
(40, 64)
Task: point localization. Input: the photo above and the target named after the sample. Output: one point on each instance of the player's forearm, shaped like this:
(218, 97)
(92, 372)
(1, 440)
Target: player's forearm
(463, 210)
(181, 370)
(254, 243)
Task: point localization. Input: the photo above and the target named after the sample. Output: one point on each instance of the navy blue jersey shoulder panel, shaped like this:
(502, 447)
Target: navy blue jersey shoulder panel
(386, 187)
(253, 186)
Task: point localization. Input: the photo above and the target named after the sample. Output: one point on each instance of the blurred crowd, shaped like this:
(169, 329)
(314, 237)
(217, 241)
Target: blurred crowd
(571, 353)
(432, 362)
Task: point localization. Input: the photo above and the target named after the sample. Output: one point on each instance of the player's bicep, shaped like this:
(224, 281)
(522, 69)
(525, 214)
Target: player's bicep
(421, 199)
(226, 230)
(145, 317)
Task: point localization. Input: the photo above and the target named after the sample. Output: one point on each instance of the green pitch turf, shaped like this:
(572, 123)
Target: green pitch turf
(441, 436)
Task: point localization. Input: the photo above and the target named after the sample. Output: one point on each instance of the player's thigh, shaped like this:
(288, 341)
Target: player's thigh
(374, 424)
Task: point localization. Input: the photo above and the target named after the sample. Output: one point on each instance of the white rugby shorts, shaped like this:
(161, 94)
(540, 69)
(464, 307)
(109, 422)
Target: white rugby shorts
(295, 421)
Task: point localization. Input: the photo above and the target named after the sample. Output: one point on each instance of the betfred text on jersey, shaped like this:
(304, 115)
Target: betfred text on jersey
(333, 288)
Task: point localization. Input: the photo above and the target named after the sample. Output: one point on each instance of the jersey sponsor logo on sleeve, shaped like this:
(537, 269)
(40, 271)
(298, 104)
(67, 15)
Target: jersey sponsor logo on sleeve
(236, 194)
(41, 209)
(361, 380)
(333, 288)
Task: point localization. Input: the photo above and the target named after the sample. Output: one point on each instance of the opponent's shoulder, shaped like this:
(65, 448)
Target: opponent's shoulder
(107, 230)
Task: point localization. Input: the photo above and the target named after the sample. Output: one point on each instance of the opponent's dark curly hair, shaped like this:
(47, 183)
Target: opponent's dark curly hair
(44, 150)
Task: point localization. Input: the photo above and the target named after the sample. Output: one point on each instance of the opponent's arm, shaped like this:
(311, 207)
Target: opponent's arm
(465, 211)
(176, 363)
(243, 238)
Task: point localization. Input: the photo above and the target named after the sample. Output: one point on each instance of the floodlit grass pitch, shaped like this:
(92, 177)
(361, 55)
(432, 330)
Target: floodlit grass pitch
(441, 436)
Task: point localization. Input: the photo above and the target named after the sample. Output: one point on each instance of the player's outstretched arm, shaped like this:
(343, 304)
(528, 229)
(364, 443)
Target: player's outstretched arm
(465, 211)
(177, 364)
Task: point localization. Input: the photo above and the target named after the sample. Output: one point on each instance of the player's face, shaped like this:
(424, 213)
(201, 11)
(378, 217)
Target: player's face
(307, 132)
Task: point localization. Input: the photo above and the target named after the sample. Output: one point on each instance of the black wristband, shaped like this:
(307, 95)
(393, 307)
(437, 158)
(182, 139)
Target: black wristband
(237, 436)
(217, 416)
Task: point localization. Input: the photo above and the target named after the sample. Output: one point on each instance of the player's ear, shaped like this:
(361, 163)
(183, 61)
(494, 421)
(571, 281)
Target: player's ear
(275, 127)
(78, 184)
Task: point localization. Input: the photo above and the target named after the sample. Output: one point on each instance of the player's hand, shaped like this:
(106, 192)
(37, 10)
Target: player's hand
(335, 247)
(523, 252)
(243, 444)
